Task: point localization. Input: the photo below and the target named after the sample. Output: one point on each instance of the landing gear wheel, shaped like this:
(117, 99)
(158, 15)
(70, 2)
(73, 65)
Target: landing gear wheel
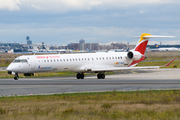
(101, 76)
(16, 77)
(78, 76)
(82, 76)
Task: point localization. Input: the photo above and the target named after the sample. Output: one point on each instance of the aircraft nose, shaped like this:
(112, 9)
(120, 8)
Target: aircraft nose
(11, 68)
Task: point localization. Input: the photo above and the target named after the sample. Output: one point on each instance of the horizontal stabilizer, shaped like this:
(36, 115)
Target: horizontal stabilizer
(154, 36)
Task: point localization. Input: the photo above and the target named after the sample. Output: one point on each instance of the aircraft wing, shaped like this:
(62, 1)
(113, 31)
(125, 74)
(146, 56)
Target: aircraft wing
(108, 68)
(112, 68)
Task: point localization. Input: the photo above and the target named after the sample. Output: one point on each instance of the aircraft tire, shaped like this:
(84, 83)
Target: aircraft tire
(15, 78)
(78, 76)
(99, 76)
(103, 76)
(82, 76)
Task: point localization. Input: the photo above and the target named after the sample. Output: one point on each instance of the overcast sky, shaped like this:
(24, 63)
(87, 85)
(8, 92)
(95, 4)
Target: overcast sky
(103, 21)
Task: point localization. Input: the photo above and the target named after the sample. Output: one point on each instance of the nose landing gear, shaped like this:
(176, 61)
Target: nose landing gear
(16, 77)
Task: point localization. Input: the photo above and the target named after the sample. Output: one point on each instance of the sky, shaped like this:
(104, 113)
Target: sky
(60, 22)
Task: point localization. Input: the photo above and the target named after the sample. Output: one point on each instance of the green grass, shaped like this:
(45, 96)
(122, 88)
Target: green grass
(5, 63)
(174, 64)
(137, 105)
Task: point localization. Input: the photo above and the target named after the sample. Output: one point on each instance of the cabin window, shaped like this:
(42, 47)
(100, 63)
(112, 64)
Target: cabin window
(67, 59)
(54, 60)
(88, 59)
(76, 59)
(97, 58)
(44, 60)
(63, 59)
(109, 57)
(103, 58)
(47, 60)
(82, 59)
(116, 57)
(121, 57)
(73, 59)
(70, 59)
(112, 57)
(79, 59)
(51, 60)
(92, 59)
(58, 60)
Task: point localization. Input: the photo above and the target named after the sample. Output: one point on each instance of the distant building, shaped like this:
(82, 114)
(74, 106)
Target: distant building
(81, 41)
(28, 40)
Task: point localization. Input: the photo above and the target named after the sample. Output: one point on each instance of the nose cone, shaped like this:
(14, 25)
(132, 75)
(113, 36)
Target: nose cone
(11, 68)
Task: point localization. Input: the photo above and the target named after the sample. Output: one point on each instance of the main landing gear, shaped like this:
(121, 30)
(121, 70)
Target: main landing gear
(80, 76)
(101, 76)
(16, 77)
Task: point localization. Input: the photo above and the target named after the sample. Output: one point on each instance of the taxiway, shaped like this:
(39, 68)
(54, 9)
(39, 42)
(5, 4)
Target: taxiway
(122, 81)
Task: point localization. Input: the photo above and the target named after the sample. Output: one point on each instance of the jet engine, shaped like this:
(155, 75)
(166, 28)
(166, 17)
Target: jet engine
(135, 55)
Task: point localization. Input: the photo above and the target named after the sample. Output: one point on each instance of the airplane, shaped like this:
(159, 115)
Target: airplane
(99, 63)
(165, 48)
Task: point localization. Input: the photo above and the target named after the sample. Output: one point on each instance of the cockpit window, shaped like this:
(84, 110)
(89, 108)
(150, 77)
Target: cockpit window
(23, 60)
(17, 61)
(20, 61)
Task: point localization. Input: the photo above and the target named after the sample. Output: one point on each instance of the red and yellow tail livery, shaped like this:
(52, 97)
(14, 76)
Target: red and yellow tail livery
(142, 43)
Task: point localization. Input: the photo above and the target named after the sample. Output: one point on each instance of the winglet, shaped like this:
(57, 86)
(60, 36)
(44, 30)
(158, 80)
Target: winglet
(169, 63)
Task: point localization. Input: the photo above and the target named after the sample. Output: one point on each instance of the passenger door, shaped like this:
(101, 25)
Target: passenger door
(33, 63)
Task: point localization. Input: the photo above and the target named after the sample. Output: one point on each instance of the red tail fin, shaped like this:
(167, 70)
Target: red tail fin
(141, 45)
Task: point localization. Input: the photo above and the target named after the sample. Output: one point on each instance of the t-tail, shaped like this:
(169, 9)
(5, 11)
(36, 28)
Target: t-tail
(137, 54)
(142, 43)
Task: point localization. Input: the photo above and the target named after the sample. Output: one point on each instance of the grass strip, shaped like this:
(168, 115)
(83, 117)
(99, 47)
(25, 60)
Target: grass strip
(150, 104)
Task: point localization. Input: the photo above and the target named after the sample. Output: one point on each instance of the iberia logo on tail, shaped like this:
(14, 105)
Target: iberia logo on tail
(142, 43)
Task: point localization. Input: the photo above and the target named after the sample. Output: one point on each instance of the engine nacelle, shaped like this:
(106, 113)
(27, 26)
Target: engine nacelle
(135, 55)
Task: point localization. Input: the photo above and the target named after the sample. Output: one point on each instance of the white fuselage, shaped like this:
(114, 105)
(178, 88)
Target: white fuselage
(84, 62)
